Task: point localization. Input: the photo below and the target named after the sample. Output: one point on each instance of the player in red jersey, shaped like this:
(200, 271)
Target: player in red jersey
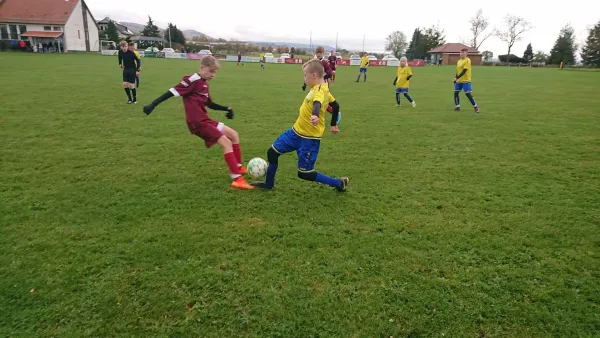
(319, 56)
(332, 64)
(196, 97)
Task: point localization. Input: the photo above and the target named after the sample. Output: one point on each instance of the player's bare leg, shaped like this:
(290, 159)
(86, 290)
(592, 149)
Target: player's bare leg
(234, 137)
(238, 181)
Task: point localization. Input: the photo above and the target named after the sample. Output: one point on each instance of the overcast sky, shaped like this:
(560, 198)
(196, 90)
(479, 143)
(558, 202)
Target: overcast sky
(264, 21)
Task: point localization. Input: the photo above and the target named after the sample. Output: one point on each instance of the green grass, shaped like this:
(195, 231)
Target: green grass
(455, 224)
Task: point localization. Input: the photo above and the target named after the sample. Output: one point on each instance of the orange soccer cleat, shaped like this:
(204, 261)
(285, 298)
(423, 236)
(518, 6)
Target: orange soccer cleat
(240, 183)
(243, 170)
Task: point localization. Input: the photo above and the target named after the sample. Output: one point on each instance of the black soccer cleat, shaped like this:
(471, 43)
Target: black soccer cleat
(261, 185)
(344, 181)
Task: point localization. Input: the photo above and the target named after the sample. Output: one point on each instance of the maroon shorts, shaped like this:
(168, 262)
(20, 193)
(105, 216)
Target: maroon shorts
(210, 131)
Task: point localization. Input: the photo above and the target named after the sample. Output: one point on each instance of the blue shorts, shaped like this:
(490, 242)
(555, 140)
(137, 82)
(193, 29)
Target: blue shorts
(362, 70)
(307, 149)
(466, 86)
(402, 90)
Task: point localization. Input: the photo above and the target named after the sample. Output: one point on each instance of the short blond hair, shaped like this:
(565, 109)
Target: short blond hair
(314, 66)
(123, 43)
(404, 58)
(210, 62)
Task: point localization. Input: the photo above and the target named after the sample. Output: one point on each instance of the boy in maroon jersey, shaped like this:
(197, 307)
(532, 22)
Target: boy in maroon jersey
(319, 56)
(332, 63)
(194, 91)
(239, 59)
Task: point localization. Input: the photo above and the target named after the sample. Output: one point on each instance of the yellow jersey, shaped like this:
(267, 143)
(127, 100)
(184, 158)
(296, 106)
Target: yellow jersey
(364, 61)
(262, 56)
(403, 73)
(463, 64)
(138, 56)
(303, 127)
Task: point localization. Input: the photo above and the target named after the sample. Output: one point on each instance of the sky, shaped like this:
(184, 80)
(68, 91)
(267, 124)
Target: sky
(263, 21)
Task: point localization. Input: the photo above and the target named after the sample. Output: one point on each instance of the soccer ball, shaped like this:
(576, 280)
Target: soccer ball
(257, 167)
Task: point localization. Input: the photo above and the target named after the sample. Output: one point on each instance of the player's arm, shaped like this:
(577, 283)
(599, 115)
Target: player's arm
(318, 99)
(464, 71)
(409, 74)
(395, 80)
(183, 88)
(120, 57)
(139, 59)
(215, 106)
(137, 62)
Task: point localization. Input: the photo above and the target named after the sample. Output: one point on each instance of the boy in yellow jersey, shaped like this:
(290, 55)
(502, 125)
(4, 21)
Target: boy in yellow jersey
(364, 63)
(262, 60)
(462, 80)
(305, 136)
(403, 76)
(137, 77)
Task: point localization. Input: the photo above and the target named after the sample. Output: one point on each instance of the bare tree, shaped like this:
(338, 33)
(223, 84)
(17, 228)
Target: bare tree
(479, 25)
(516, 26)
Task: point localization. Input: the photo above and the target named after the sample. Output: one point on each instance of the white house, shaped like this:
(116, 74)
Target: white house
(122, 30)
(68, 24)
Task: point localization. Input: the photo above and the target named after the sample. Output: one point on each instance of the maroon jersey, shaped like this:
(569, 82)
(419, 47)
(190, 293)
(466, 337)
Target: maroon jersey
(194, 92)
(325, 64)
(332, 61)
(239, 57)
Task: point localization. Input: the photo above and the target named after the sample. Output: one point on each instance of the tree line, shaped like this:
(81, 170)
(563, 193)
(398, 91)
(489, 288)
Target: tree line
(512, 30)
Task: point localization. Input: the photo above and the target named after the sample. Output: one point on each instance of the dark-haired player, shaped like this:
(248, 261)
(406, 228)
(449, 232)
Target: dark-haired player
(332, 64)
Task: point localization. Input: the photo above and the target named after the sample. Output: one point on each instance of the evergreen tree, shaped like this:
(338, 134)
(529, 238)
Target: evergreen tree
(150, 29)
(590, 53)
(411, 51)
(564, 47)
(528, 55)
(176, 35)
(111, 32)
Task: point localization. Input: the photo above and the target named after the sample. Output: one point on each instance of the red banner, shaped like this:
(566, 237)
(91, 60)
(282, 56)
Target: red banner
(416, 63)
(294, 61)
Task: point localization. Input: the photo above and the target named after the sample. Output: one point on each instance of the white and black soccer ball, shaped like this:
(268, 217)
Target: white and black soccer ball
(257, 167)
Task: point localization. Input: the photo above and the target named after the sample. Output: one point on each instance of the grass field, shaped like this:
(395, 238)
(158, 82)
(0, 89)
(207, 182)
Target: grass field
(114, 223)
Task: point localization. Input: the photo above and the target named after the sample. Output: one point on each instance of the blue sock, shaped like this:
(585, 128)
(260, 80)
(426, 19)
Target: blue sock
(470, 97)
(398, 98)
(271, 171)
(408, 97)
(330, 181)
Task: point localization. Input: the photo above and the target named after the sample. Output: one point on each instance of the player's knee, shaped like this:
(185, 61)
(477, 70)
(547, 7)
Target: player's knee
(233, 136)
(225, 143)
(272, 156)
(308, 176)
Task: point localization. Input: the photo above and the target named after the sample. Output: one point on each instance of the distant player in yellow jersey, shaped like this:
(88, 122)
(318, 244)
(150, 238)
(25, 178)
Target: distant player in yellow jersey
(305, 136)
(364, 63)
(462, 80)
(402, 81)
(262, 60)
(131, 47)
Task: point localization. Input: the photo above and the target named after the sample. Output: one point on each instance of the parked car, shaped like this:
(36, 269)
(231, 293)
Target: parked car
(354, 57)
(285, 56)
(168, 50)
(151, 50)
(372, 57)
(205, 52)
(269, 55)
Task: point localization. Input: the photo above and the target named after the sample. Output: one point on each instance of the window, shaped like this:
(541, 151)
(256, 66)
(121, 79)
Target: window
(47, 28)
(22, 29)
(3, 32)
(79, 34)
(12, 29)
(57, 29)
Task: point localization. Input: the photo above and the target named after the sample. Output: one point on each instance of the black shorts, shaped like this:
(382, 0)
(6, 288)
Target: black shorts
(129, 75)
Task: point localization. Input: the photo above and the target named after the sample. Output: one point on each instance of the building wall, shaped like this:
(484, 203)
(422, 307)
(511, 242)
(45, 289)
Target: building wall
(93, 33)
(74, 31)
(452, 59)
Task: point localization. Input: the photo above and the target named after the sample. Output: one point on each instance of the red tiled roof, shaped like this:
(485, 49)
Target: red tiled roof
(42, 34)
(52, 12)
(453, 48)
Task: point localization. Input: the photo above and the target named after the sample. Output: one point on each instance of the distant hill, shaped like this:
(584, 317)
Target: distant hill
(138, 28)
(290, 45)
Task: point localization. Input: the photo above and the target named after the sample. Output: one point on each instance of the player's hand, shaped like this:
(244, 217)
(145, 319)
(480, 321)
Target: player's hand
(148, 109)
(314, 120)
(393, 84)
(334, 129)
(304, 87)
(229, 113)
(121, 66)
(454, 80)
(137, 73)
